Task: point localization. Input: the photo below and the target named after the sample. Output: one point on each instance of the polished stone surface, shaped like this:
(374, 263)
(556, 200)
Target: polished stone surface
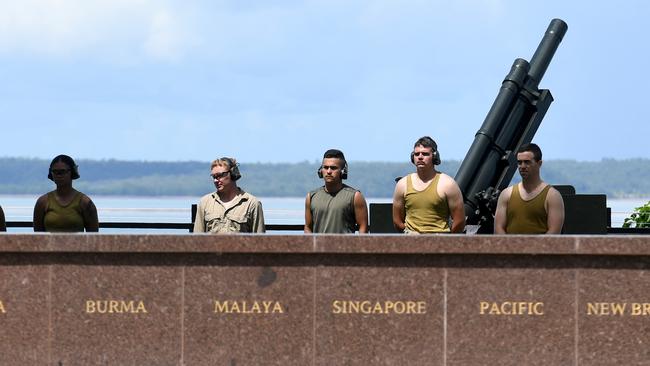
(116, 310)
(614, 312)
(24, 300)
(510, 312)
(95, 299)
(374, 311)
(242, 310)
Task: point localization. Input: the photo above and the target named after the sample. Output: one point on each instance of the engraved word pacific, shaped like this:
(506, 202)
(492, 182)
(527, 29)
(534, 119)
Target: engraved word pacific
(511, 308)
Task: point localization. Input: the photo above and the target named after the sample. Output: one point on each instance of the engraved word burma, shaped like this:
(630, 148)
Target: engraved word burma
(248, 307)
(511, 308)
(618, 308)
(115, 307)
(378, 307)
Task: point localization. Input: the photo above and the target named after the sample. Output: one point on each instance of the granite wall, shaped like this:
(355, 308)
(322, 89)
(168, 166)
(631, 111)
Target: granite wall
(324, 300)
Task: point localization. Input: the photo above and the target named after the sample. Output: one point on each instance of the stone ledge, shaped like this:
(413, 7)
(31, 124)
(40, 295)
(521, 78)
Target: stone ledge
(362, 244)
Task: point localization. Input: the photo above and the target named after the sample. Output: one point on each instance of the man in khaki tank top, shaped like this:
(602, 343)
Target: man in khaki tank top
(532, 206)
(424, 201)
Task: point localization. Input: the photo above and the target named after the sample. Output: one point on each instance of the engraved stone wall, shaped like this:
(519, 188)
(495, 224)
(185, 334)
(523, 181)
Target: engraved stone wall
(324, 300)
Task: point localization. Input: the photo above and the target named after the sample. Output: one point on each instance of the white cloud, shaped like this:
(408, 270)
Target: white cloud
(66, 28)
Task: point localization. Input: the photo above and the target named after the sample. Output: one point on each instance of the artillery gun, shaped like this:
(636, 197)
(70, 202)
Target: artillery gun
(490, 163)
(511, 122)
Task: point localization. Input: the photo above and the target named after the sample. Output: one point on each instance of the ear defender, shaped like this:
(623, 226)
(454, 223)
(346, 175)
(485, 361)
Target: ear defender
(234, 168)
(435, 156)
(320, 172)
(75, 171)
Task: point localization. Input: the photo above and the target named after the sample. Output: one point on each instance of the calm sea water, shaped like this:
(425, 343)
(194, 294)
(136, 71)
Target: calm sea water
(287, 210)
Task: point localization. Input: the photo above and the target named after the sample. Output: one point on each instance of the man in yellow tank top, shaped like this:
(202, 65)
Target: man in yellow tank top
(424, 201)
(532, 206)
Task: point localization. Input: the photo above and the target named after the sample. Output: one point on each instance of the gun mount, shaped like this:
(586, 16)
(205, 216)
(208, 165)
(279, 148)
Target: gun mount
(511, 122)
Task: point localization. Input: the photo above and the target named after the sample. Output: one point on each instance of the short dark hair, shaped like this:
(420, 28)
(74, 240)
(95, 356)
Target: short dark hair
(65, 159)
(334, 153)
(537, 152)
(426, 141)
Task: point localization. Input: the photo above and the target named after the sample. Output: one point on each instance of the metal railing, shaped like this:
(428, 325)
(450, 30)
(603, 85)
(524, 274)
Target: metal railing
(189, 226)
(160, 225)
(380, 222)
(269, 227)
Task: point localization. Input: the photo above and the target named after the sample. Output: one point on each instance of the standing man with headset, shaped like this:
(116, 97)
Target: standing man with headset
(335, 207)
(229, 209)
(424, 201)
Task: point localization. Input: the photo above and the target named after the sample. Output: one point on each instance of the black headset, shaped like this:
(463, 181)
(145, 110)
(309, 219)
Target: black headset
(234, 168)
(344, 171)
(427, 141)
(338, 154)
(74, 168)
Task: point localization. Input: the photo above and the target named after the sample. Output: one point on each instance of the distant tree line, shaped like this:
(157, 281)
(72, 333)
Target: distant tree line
(616, 178)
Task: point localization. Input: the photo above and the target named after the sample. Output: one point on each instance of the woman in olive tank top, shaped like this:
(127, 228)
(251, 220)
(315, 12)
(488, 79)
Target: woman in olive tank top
(64, 209)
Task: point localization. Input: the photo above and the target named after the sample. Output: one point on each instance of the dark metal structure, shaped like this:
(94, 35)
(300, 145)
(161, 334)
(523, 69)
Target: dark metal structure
(511, 122)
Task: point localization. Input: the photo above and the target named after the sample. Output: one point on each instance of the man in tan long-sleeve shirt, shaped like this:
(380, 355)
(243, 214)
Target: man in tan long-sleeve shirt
(229, 209)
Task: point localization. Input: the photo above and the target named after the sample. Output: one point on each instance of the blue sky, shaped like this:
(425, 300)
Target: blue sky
(282, 81)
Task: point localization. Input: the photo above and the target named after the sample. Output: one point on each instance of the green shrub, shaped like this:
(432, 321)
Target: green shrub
(639, 218)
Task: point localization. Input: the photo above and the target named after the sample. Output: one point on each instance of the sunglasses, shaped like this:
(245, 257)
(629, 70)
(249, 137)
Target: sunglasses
(220, 175)
(421, 153)
(59, 171)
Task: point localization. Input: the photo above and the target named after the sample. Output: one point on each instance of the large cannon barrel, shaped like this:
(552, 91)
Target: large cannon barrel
(492, 125)
(512, 121)
(545, 51)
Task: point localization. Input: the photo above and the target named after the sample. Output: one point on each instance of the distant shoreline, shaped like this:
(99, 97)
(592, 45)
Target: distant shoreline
(629, 178)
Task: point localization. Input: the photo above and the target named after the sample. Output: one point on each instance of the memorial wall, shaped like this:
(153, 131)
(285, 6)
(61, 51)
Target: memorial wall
(324, 300)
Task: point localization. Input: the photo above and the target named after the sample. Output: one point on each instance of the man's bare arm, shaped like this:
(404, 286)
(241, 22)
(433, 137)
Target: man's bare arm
(308, 219)
(361, 212)
(501, 215)
(456, 206)
(399, 213)
(554, 211)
